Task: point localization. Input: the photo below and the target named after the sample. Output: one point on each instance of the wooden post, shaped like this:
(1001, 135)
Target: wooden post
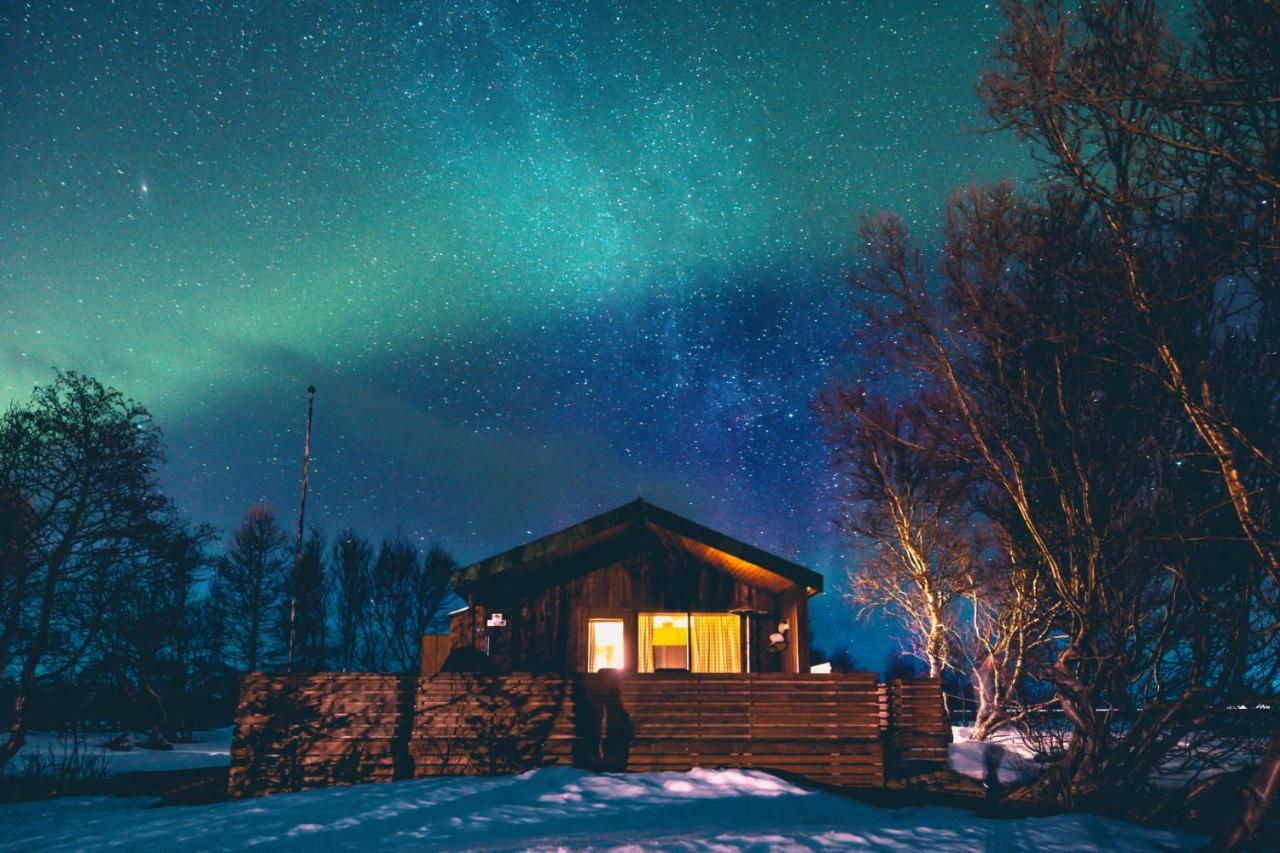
(435, 649)
(302, 506)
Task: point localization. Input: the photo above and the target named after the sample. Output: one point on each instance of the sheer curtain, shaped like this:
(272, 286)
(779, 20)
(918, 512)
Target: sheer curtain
(593, 643)
(717, 642)
(644, 640)
(604, 644)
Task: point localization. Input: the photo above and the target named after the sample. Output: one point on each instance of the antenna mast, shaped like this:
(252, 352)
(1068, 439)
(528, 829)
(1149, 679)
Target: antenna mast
(302, 507)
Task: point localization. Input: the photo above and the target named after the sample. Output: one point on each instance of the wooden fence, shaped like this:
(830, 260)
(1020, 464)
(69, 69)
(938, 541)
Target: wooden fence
(297, 732)
(917, 726)
(305, 731)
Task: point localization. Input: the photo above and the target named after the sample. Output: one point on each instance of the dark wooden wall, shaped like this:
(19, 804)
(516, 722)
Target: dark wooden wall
(548, 620)
(296, 732)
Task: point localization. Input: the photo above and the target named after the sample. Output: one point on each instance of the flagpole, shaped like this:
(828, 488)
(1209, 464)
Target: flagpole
(302, 506)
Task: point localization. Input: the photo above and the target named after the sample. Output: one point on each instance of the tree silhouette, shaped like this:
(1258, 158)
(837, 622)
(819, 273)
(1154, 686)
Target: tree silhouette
(83, 459)
(407, 597)
(1171, 151)
(351, 561)
(251, 581)
(311, 588)
(148, 646)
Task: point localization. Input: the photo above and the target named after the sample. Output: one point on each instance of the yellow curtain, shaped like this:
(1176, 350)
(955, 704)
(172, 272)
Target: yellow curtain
(644, 640)
(591, 645)
(716, 641)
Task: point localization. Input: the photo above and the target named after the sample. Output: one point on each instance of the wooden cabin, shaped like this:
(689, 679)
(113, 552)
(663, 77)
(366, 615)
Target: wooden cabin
(618, 617)
(636, 589)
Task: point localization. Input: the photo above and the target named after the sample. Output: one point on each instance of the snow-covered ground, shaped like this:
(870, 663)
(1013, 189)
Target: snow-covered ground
(558, 809)
(1198, 757)
(1005, 753)
(209, 748)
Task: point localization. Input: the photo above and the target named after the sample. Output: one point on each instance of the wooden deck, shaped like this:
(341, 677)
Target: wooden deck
(297, 732)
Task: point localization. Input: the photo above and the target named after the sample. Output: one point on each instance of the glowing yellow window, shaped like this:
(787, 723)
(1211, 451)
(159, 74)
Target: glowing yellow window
(699, 642)
(605, 642)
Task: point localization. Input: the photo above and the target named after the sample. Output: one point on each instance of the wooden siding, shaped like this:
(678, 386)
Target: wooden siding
(547, 627)
(435, 651)
(296, 732)
(633, 559)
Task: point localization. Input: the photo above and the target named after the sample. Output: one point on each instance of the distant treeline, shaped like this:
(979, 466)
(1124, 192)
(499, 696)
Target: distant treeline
(116, 609)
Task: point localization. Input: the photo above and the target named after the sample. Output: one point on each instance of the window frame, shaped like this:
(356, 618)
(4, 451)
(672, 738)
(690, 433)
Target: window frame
(623, 643)
(689, 615)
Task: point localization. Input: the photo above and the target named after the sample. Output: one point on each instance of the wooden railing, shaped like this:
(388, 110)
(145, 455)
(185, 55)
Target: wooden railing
(297, 732)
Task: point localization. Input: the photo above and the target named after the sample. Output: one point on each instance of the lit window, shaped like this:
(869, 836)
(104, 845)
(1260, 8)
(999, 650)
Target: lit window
(606, 644)
(670, 641)
(698, 642)
(716, 642)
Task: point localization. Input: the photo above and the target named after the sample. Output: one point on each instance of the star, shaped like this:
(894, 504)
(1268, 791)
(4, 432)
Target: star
(540, 258)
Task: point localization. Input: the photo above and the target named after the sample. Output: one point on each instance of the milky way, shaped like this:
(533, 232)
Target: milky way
(539, 258)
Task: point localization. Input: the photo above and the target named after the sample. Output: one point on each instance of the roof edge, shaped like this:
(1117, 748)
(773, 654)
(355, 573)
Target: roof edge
(640, 511)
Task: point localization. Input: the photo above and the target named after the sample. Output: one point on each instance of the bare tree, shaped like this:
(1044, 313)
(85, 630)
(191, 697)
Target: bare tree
(1010, 626)
(251, 579)
(936, 565)
(82, 458)
(1078, 462)
(351, 561)
(1175, 152)
(310, 595)
(909, 505)
(407, 598)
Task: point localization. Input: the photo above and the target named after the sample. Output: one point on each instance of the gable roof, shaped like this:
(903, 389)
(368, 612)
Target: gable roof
(737, 558)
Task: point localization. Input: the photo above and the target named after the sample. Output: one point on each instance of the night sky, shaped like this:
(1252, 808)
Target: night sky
(538, 258)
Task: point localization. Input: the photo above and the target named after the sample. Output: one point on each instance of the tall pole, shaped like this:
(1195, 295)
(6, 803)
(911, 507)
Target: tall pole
(302, 507)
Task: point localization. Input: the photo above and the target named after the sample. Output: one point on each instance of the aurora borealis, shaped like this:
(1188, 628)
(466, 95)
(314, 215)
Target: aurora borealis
(538, 258)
